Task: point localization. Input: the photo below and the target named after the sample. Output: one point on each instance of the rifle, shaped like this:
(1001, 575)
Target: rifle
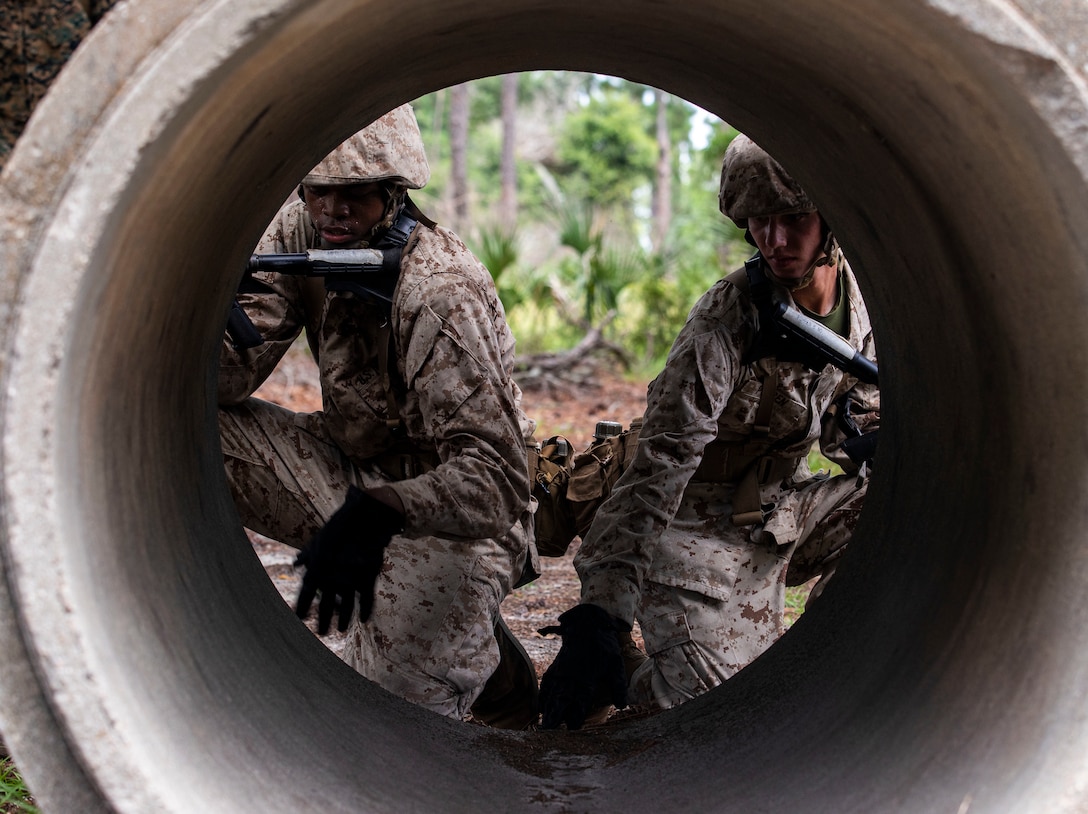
(812, 343)
(823, 342)
(320, 262)
(368, 273)
(786, 332)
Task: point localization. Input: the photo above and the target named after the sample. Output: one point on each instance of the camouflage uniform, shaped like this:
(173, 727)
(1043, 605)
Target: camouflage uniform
(36, 39)
(460, 473)
(708, 594)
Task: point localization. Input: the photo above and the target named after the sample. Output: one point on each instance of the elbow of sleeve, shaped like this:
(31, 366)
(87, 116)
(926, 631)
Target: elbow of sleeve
(234, 385)
(231, 396)
(229, 402)
(498, 523)
(511, 504)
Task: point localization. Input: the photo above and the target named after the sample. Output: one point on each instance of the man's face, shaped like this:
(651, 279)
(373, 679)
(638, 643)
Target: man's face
(789, 243)
(344, 215)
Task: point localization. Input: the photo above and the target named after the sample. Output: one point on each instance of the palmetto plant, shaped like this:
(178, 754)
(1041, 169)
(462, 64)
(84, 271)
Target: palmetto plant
(596, 272)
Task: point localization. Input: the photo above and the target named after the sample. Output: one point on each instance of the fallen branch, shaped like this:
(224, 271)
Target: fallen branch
(574, 368)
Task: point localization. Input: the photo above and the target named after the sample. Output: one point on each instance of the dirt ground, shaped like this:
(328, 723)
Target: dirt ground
(571, 414)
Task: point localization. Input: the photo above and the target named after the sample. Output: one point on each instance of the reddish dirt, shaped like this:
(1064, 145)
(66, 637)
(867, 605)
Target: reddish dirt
(572, 414)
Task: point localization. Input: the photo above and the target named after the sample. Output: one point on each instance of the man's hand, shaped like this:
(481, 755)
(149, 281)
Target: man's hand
(588, 672)
(345, 558)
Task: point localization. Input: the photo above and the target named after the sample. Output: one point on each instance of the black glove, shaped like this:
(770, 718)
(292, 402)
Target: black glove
(345, 558)
(588, 672)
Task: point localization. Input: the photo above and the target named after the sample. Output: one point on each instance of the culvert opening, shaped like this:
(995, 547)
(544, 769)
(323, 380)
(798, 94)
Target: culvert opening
(947, 673)
(612, 246)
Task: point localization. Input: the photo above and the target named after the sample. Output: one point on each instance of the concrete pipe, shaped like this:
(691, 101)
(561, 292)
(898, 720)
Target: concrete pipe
(148, 665)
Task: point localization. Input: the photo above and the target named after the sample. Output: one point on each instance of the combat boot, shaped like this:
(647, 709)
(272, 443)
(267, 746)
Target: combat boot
(632, 660)
(632, 656)
(510, 699)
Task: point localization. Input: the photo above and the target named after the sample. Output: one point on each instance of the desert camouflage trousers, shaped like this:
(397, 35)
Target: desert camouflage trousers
(430, 638)
(695, 640)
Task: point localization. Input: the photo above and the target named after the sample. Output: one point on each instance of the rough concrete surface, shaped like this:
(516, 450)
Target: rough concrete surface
(149, 665)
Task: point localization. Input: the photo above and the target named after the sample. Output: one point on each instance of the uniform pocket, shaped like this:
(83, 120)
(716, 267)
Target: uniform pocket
(665, 631)
(682, 667)
(701, 550)
(695, 566)
(436, 361)
(464, 651)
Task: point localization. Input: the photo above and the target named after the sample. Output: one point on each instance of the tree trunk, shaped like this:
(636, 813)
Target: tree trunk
(662, 199)
(437, 121)
(508, 203)
(459, 155)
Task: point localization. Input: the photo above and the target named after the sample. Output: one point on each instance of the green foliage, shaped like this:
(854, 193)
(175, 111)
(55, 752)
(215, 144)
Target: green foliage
(711, 156)
(577, 229)
(795, 602)
(497, 249)
(586, 161)
(14, 795)
(594, 272)
(818, 463)
(539, 328)
(655, 305)
(486, 99)
(606, 150)
(611, 271)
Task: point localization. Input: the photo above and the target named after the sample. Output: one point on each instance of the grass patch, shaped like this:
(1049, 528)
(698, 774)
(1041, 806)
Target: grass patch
(795, 602)
(15, 797)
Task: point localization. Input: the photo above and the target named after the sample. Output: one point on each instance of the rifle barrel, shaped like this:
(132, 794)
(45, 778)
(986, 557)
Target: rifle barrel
(319, 262)
(832, 346)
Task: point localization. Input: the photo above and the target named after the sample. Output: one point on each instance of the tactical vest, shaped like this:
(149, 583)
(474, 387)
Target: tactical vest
(749, 464)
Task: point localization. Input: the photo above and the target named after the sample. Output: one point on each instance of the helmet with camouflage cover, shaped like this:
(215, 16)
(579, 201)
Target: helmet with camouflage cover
(389, 150)
(754, 185)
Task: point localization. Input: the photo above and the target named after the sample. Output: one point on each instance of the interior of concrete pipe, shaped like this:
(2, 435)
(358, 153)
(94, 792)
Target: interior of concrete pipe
(149, 666)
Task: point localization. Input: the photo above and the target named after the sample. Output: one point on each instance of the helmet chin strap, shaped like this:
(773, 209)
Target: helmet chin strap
(392, 209)
(828, 257)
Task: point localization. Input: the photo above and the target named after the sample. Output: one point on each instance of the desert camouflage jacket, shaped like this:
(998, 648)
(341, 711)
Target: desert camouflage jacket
(451, 357)
(707, 393)
(36, 38)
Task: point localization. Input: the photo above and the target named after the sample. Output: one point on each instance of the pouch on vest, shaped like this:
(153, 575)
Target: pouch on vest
(595, 472)
(553, 523)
